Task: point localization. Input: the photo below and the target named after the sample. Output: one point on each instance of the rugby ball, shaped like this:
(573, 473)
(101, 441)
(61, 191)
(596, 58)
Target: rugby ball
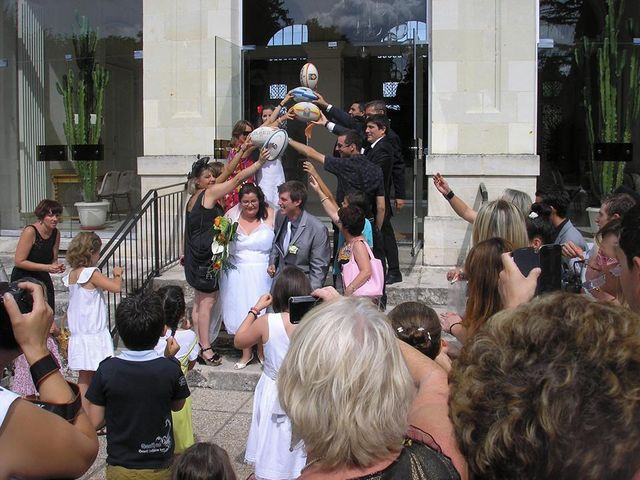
(303, 94)
(276, 144)
(309, 76)
(260, 135)
(306, 111)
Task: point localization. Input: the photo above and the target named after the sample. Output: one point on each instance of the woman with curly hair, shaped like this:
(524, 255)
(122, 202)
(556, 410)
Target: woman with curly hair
(550, 389)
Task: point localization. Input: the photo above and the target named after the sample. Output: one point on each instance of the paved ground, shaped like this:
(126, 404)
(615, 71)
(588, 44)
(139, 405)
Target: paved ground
(220, 416)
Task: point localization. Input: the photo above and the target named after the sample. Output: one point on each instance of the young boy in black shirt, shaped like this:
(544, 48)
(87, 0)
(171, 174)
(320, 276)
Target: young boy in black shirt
(135, 393)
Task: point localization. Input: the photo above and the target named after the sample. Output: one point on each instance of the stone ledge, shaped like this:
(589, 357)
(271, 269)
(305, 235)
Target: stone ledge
(483, 165)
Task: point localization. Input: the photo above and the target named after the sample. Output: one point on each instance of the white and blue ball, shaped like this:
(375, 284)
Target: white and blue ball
(260, 135)
(303, 94)
(276, 144)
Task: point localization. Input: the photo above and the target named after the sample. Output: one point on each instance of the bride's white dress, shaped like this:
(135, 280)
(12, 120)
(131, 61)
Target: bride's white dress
(241, 287)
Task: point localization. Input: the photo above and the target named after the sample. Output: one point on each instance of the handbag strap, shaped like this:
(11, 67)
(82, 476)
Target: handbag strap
(369, 251)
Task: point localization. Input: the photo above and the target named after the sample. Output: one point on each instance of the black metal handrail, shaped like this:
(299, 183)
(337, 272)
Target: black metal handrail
(148, 242)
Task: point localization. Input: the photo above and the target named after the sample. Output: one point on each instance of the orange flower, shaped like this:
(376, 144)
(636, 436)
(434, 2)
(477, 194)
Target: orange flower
(221, 238)
(217, 221)
(217, 265)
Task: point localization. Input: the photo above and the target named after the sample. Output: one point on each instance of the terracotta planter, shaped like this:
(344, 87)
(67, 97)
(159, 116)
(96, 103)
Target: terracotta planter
(93, 215)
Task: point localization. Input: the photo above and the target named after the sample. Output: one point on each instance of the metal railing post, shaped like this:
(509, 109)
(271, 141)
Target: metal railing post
(156, 234)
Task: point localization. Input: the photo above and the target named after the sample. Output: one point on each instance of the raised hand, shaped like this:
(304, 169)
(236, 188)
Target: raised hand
(322, 121)
(441, 184)
(515, 288)
(321, 102)
(308, 167)
(30, 330)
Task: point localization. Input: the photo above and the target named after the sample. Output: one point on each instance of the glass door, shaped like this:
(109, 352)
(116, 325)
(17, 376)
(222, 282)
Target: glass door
(417, 150)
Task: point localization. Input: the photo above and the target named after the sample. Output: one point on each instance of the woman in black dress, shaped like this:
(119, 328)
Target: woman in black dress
(37, 251)
(37, 257)
(202, 208)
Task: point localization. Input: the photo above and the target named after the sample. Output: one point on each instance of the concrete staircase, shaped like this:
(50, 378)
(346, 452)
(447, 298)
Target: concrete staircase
(420, 283)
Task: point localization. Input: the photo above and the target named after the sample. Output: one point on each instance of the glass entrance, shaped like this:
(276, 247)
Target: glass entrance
(362, 54)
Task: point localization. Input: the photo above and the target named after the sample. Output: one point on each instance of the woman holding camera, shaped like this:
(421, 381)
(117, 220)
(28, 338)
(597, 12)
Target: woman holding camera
(269, 445)
(63, 440)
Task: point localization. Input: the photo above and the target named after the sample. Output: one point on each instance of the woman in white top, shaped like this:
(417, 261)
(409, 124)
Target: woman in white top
(269, 443)
(249, 254)
(272, 174)
(90, 340)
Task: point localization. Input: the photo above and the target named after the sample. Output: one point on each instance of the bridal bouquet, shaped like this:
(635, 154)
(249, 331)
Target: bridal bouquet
(224, 231)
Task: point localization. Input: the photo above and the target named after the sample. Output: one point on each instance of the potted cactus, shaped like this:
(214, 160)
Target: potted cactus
(83, 98)
(610, 96)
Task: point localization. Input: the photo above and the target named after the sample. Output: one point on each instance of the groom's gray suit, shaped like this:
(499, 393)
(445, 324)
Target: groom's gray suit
(308, 250)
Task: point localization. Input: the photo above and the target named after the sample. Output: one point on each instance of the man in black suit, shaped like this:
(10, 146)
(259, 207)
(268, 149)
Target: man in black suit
(381, 152)
(379, 107)
(339, 121)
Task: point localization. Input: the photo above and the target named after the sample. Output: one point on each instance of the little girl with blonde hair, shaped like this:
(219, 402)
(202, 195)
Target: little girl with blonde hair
(90, 340)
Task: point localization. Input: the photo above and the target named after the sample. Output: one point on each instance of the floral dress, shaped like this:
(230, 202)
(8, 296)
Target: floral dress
(233, 198)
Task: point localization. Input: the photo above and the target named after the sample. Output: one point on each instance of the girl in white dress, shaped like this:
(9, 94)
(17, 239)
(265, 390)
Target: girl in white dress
(272, 174)
(89, 341)
(269, 443)
(249, 253)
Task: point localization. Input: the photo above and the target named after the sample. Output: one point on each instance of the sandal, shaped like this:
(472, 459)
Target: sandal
(214, 361)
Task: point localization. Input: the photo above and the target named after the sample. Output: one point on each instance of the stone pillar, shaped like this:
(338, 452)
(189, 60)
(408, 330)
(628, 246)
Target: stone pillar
(188, 59)
(483, 111)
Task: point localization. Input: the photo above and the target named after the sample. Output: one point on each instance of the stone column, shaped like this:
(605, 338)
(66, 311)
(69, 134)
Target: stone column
(483, 111)
(188, 59)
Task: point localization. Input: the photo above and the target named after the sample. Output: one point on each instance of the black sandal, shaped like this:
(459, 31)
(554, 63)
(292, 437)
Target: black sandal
(214, 361)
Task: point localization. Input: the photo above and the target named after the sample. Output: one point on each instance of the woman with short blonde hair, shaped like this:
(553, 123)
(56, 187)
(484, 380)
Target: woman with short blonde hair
(348, 392)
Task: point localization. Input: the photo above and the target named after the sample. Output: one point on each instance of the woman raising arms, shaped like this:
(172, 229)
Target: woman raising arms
(202, 208)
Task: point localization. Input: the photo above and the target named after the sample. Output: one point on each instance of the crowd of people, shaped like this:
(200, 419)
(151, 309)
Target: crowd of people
(540, 383)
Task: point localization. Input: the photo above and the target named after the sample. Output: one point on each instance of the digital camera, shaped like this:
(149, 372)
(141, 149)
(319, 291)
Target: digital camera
(25, 304)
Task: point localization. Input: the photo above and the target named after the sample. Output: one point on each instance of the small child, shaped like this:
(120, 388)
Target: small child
(135, 393)
(89, 341)
(203, 461)
(178, 327)
(419, 326)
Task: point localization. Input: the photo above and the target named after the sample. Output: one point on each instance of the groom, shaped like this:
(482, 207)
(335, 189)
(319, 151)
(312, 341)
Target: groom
(300, 238)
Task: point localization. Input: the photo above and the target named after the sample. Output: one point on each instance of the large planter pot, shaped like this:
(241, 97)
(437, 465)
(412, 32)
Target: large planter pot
(593, 214)
(93, 215)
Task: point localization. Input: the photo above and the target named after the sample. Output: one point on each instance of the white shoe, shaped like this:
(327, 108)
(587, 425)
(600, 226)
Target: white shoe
(240, 366)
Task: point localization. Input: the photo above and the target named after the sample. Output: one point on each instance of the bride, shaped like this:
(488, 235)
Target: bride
(249, 253)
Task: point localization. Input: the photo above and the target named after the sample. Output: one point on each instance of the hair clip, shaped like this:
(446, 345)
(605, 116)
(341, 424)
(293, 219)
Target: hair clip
(197, 166)
(399, 329)
(429, 336)
(533, 215)
(421, 329)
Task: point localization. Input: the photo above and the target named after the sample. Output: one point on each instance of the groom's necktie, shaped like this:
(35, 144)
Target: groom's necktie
(287, 238)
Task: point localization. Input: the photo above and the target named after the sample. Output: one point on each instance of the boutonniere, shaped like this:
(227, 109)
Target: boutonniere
(293, 250)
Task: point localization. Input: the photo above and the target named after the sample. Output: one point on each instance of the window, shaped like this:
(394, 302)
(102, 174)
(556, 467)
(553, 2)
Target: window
(277, 91)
